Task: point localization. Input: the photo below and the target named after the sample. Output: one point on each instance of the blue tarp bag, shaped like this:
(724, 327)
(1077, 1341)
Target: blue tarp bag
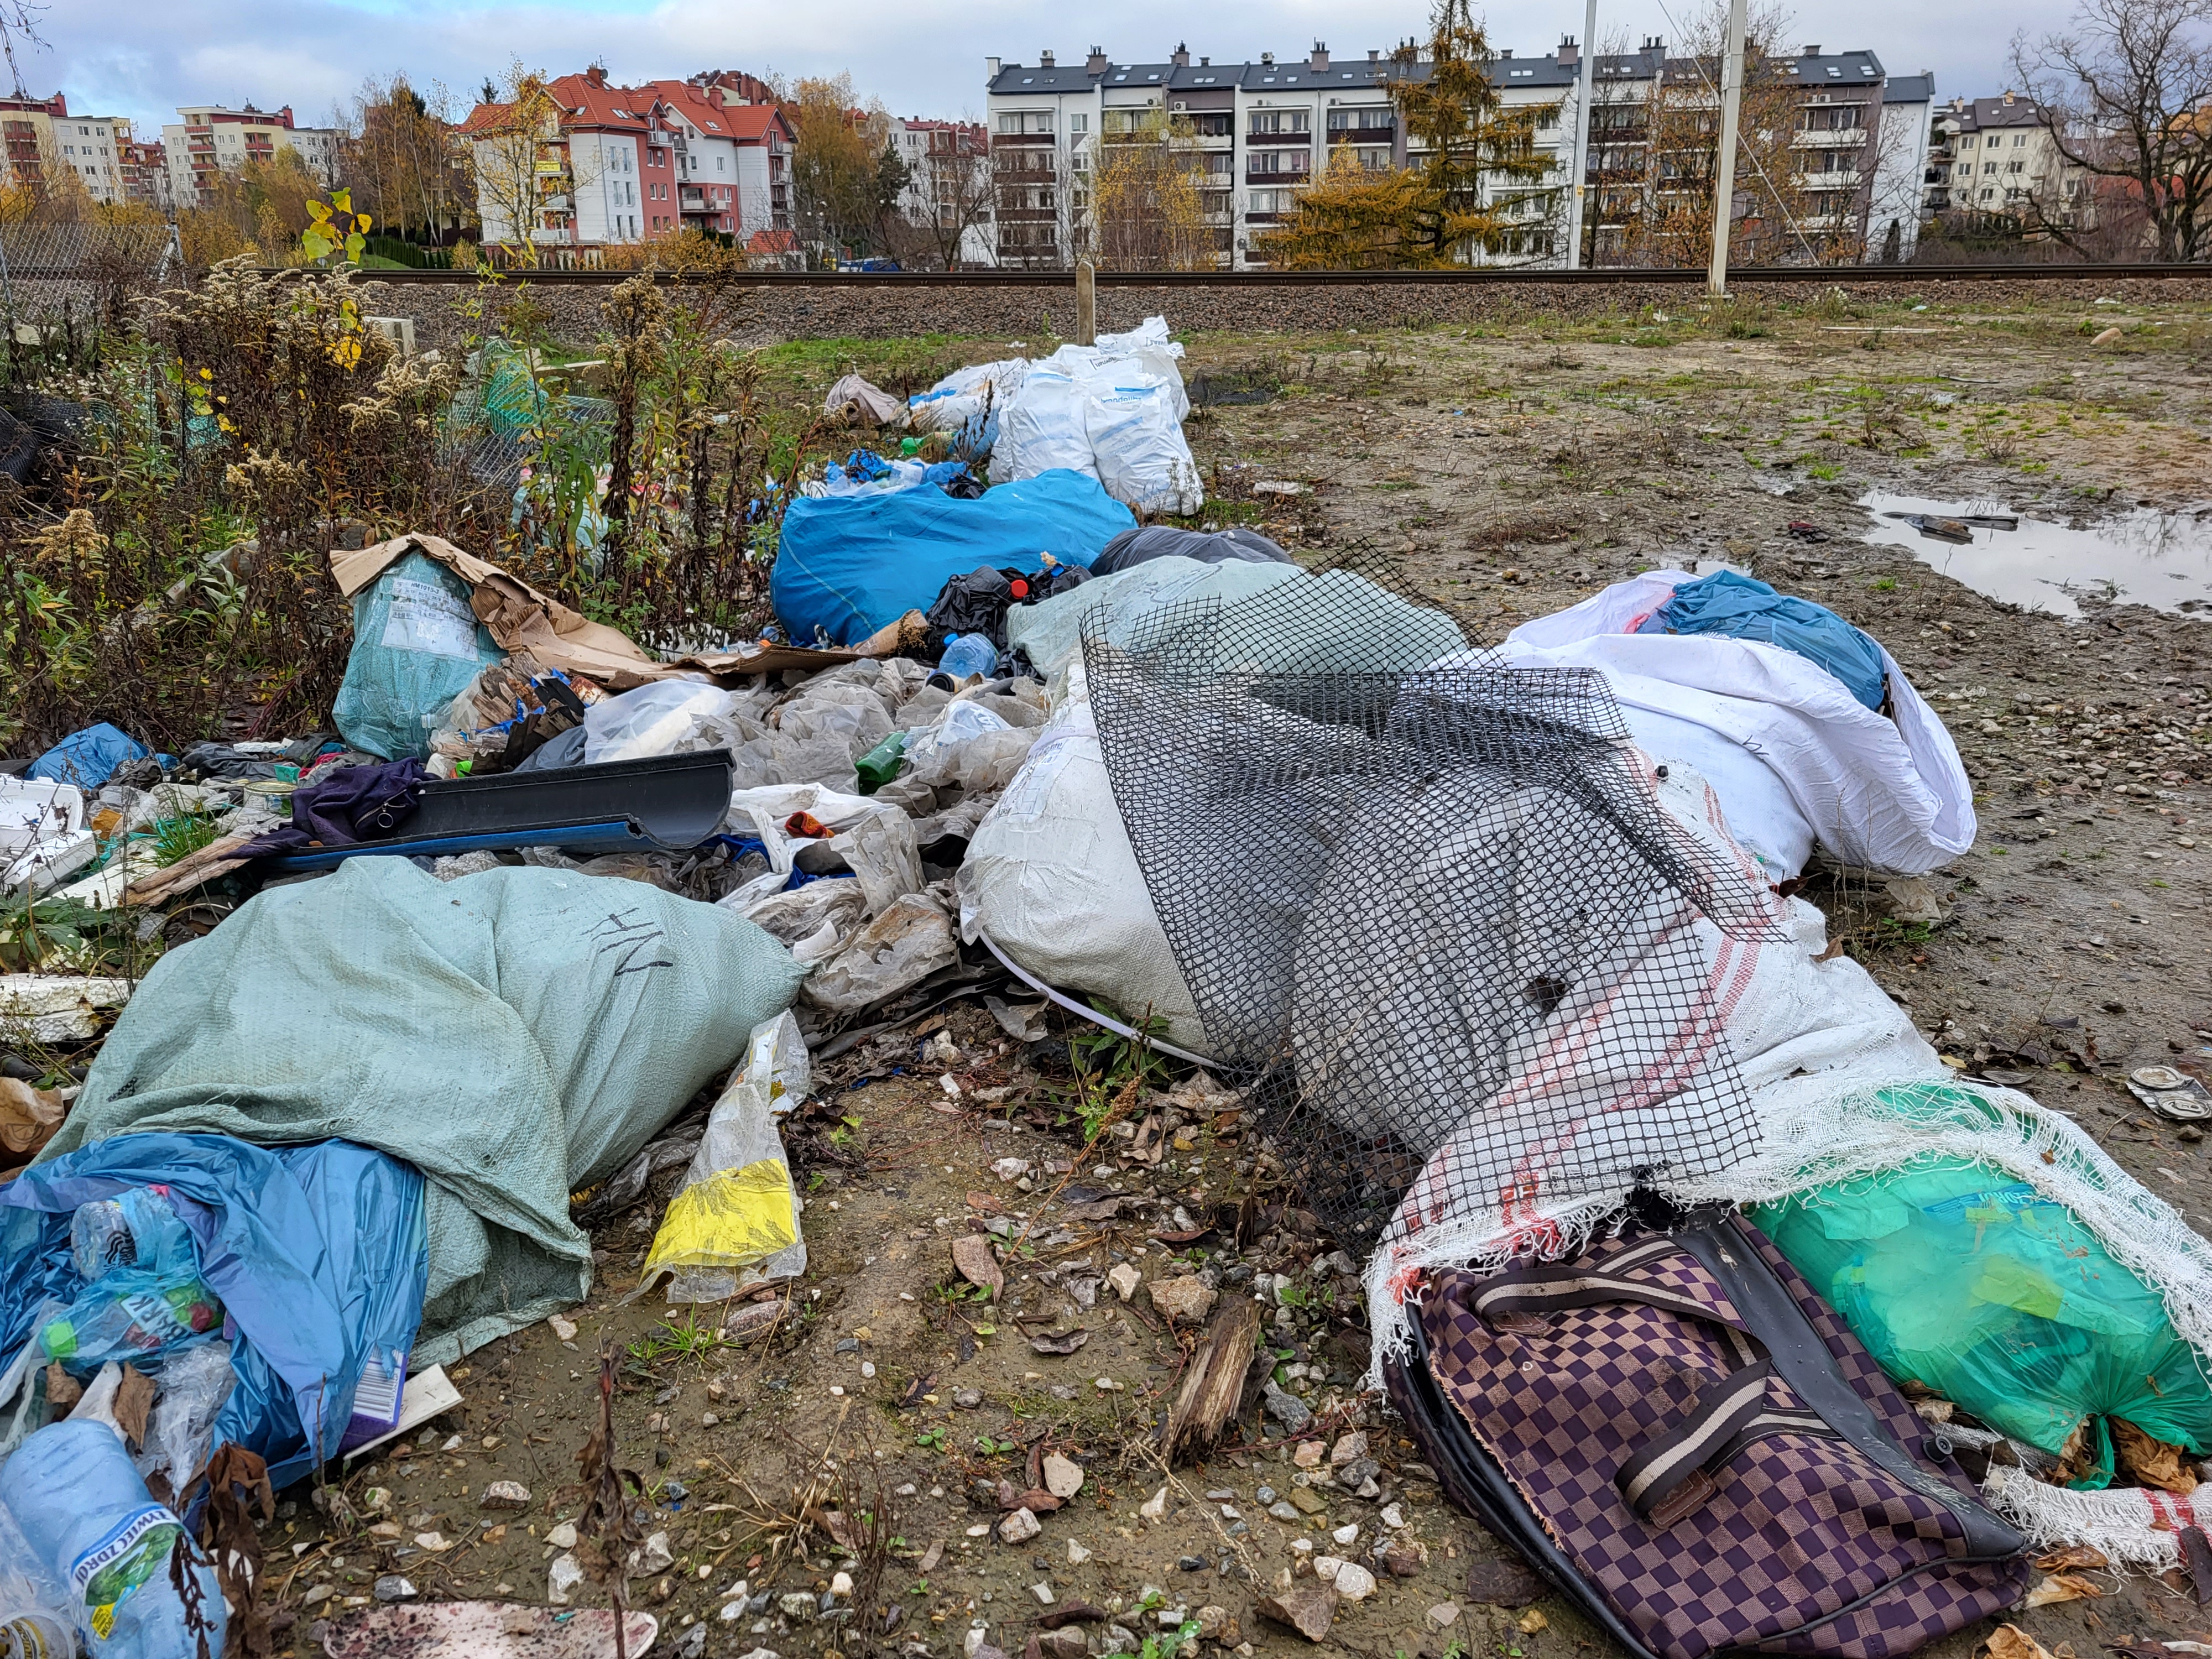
(417, 645)
(848, 565)
(319, 1254)
(1744, 608)
(88, 758)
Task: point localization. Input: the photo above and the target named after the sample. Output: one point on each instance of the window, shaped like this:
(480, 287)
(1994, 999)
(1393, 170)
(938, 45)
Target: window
(1025, 122)
(1078, 123)
(1272, 201)
(2015, 166)
(2018, 139)
(1281, 120)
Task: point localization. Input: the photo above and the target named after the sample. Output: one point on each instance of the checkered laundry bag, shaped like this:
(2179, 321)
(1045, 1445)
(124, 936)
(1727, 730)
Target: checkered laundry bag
(1677, 1431)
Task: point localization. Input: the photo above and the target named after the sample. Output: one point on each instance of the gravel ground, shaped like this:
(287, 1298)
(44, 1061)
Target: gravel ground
(1513, 467)
(845, 308)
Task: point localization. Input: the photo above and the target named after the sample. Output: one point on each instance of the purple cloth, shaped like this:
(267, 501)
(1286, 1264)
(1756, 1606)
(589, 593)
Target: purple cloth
(345, 806)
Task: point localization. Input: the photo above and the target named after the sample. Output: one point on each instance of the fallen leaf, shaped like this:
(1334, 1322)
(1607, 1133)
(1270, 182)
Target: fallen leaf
(972, 1255)
(28, 1116)
(2011, 1641)
(133, 1399)
(1104, 1209)
(1151, 1142)
(2151, 1461)
(1037, 1501)
(2061, 1587)
(1532, 1621)
(2073, 1555)
(1503, 1584)
(932, 1556)
(985, 1203)
(833, 1521)
(1072, 1612)
(63, 1390)
(1061, 1341)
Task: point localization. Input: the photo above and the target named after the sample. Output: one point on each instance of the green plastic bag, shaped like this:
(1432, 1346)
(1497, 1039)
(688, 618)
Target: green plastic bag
(417, 645)
(1958, 1277)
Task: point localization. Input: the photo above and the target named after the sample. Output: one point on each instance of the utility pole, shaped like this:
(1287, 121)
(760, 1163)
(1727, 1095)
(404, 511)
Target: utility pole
(1585, 75)
(1725, 159)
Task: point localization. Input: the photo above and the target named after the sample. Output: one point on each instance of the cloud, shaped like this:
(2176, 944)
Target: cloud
(144, 58)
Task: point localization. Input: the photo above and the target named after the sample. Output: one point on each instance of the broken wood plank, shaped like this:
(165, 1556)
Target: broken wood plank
(1215, 1382)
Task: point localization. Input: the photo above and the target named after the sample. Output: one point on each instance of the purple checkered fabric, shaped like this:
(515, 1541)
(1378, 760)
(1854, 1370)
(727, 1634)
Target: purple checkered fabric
(1801, 1526)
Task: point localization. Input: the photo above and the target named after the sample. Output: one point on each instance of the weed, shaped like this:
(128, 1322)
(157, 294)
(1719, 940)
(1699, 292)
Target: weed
(1826, 471)
(180, 837)
(1169, 1643)
(690, 1340)
(931, 1439)
(1884, 585)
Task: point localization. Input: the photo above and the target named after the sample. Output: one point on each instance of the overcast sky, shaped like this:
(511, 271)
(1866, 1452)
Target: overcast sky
(141, 59)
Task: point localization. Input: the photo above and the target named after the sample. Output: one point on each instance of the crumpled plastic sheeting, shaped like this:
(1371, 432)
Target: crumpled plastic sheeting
(898, 949)
(515, 1035)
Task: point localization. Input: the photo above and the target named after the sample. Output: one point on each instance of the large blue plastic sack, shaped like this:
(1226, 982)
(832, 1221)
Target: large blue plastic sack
(1743, 608)
(88, 758)
(851, 564)
(515, 1036)
(417, 645)
(320, 1255)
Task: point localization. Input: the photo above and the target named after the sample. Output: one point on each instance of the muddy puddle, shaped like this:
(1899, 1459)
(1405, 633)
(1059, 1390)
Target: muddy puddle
(2162, 560)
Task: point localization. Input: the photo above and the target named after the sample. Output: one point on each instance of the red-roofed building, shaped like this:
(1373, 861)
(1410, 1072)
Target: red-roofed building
(734, 157)
(611, 165)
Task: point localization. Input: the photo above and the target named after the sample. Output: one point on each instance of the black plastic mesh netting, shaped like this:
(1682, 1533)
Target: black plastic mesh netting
(1424, 903)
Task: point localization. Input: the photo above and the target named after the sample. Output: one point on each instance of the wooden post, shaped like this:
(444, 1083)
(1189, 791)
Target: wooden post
(1086, 303)
(1724, 159)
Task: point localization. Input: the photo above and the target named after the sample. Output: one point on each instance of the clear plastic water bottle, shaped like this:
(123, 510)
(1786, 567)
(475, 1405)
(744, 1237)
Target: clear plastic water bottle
(967, 656)
(35, 1616)
(88, 1522)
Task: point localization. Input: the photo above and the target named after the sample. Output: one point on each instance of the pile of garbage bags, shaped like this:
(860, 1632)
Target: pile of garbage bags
(1112, 411)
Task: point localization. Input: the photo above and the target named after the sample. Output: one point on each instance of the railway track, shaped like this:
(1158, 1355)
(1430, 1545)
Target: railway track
(1221, 282)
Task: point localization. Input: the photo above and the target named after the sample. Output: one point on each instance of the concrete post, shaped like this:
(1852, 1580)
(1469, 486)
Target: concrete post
(1086, 303)
(1725, 159)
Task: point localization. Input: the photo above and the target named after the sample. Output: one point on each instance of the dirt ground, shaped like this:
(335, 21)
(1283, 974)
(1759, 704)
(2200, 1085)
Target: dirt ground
(1515, 472)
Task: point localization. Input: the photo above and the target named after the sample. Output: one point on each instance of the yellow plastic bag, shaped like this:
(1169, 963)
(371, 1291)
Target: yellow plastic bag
(732, 1218)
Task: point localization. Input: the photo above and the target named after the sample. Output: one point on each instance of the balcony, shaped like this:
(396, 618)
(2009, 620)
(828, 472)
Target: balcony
(1384, 134)
(690, 199)
(1278, 176)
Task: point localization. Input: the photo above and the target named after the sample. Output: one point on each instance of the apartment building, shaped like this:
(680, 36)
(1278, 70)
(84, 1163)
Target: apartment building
(1266, 128)
(614, 165)
(948, 182)
(1995, 155)
(1259, 130)
(144, 165)
(38, 137)
(208, 141)
(733, 159)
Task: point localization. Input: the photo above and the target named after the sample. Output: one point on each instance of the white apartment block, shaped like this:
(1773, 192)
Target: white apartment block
(1266, 128)
(97, 150)
(37, 135)
(1995, 155)
(209, 140)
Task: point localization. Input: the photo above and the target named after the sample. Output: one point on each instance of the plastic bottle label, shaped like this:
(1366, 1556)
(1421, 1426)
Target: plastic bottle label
(109, 1573)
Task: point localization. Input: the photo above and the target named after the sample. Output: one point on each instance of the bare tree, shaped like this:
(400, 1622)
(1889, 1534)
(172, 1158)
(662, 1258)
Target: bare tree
(2126, 96)
(511, 136)
(953, 178)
